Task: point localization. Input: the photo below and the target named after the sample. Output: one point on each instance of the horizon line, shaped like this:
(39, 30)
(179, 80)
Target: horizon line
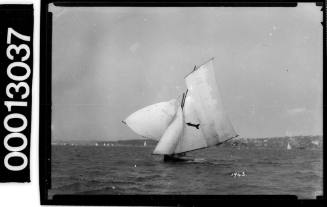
(158, 140)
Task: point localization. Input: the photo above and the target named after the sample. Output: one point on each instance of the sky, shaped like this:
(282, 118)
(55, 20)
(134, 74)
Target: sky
(109, 62)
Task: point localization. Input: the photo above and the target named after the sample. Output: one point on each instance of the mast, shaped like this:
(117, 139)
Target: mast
(183, 99)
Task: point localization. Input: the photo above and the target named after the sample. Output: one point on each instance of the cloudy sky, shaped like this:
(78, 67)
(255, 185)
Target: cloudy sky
(110, 62)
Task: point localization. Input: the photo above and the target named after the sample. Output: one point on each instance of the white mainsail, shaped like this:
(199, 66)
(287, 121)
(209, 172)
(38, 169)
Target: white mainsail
(153, 120)
(203, 89)
(206, 122)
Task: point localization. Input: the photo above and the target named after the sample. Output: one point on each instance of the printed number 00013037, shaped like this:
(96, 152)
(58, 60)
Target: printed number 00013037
(15, 52)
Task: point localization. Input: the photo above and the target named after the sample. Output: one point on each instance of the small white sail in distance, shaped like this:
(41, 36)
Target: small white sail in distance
(152, 121)
(288, 146)
(315, 142)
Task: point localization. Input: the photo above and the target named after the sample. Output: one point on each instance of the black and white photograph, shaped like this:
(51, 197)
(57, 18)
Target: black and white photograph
(186, 100)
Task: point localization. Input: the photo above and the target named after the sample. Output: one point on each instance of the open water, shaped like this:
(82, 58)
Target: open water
(218, 170)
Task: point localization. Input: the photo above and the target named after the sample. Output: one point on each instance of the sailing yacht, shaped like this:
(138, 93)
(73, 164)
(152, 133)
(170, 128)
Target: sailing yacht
(196, 121)
(315, 142)
(289, 146)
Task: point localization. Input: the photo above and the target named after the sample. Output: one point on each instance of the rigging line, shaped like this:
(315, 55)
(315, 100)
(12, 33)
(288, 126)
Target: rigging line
(216, 144)
(226, 140)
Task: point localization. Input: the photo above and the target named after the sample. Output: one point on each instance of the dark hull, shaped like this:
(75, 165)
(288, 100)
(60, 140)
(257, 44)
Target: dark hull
(171, 158)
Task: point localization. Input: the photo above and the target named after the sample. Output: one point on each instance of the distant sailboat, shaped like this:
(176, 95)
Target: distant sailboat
(315, 142)
(195, 122)
(144, 144)
(288, 146)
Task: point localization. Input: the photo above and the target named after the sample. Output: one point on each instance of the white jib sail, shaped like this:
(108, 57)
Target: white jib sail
(205, 100)
(169, 139)
(152, 121)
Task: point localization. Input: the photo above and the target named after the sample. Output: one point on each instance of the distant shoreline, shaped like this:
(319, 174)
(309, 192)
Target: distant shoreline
(294, 141)
(145, 139)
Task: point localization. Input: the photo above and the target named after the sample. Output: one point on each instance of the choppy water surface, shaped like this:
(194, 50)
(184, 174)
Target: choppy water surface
(225, 170)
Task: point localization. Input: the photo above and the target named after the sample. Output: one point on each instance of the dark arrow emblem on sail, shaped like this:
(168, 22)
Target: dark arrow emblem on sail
(193, 125)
